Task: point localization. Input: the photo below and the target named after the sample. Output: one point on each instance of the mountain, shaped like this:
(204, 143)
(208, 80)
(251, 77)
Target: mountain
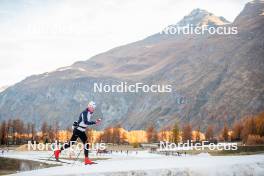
(2, 88)
(219, 77)
(200, 17)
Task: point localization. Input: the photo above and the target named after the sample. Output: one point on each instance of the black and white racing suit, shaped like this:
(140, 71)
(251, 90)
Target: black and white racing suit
(79, 131)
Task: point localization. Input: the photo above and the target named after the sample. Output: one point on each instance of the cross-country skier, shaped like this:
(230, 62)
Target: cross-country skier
(79, 128)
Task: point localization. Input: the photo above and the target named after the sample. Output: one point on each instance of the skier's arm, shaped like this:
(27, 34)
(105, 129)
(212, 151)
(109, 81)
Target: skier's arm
(85, 120)
(91, 122)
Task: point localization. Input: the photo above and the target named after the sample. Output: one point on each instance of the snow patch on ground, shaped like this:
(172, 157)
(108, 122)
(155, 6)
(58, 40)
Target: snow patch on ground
(143, 163)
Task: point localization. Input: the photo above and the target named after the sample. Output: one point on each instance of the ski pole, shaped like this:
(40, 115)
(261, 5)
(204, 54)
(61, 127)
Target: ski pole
(51, 156)
(77, 157)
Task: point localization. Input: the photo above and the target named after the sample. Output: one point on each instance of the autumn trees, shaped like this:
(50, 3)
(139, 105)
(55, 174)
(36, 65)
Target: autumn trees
(152, 135)
(3, 133)
(224, 134)
(209, 133)
(16, 132)
(237, 129)
(114, 135)
(49, 132)
(187, 132)
(175, 137)
(249, 131)
(253, 130)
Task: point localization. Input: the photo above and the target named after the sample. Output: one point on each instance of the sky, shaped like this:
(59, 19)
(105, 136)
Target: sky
(38, 36)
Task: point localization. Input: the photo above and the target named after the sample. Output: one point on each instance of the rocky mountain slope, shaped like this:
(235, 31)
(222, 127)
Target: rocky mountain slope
(219, 77)
(2, 88)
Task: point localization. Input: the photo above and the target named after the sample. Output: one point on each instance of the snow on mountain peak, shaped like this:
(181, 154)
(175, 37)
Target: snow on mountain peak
(200, 17)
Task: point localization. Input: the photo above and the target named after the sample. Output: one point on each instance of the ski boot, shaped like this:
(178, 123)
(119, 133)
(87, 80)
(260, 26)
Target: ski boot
(57, 154)
(87, 161)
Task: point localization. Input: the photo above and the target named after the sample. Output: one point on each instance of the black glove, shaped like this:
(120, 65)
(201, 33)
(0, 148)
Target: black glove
(75, 124)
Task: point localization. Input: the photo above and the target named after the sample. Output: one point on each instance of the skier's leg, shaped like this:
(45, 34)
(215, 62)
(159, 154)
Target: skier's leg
(67, 145)
(72, 140)
(83, 138)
